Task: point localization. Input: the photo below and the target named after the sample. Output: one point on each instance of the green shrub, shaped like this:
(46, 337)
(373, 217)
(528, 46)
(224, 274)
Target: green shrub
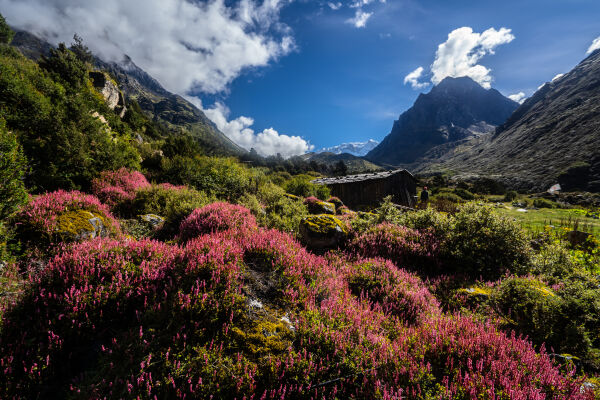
(224, 178)
(173, 204)
(301, 185)
(426, 219)
(481, 243)
(511, 195)
(464, 194)
(554, 262)
(544, 203)
(6, 34)
(12, 173)
(448, 196)
(566, 319)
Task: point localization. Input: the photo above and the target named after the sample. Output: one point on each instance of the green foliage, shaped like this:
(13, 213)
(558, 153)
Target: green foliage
(81, 51)
(273, 209)
(448, 196)
(6, 34)
(301, 185)
(480, 243)
(224, 178)
(66, 145)
(12, 173)
(66, 67)
(511, 195)
(544, 203)
(429, 218)
(566, 319)
(172, 204)
(464, 194)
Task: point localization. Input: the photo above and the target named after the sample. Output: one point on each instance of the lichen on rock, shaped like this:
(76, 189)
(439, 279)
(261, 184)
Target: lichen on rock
(323, 231)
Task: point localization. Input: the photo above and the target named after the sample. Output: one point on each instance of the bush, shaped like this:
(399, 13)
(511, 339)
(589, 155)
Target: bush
(301, 185)
(396, 291)
(115, 187)
(172, 203)
(62, 216)
(482, 244)
(407, 248)
(464, 194)
(6, 34)
(428, 219)
(544, 203)
(511, 195)
(448, 196)
(565, 318)
(216, 217)
(12, 173)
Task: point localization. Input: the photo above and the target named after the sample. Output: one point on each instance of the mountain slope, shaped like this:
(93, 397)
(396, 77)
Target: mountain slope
(172, 111)
(358, 149)
(552, 137)
(455, 109)
(354, 164)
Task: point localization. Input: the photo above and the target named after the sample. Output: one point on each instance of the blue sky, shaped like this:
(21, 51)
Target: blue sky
(346, 84)
(286, 76)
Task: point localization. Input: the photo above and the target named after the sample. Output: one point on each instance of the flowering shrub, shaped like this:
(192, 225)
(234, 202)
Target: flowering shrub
(216, 217)
(397, 291)
(406, 247)
(252, 314)
(115, 187)
(63, 216)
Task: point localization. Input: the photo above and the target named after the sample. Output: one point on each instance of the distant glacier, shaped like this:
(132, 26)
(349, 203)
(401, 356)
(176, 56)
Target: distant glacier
(359, 149)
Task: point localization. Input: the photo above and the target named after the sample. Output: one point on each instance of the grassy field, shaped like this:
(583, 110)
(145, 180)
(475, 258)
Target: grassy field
(536, 220)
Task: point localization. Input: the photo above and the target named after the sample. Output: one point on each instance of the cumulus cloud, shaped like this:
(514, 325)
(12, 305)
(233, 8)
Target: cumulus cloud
(413, 79)
(268, 142)
(335, 6)
(360, 19)
(460, 54)
(186, 45)
(518, 97)
(594, 46)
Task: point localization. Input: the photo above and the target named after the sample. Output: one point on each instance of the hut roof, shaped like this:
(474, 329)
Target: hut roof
(360, 177)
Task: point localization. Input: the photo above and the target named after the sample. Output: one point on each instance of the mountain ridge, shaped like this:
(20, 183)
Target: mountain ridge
(455, 109)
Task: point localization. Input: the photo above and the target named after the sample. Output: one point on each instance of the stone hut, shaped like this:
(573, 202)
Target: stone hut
(368, 190)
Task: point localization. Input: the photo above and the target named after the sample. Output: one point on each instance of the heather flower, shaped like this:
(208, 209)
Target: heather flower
(114, 187)
(216, 217)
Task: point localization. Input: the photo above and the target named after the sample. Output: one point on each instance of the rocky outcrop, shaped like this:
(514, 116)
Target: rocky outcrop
(81, 225)
(110, 91)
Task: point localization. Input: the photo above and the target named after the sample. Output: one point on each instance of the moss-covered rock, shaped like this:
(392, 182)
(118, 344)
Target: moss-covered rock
(316, 206)
(82, 225)
(323, 231)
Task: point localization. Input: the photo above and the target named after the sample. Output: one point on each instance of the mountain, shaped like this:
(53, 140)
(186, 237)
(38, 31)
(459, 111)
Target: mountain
(170, 110)
(454, 110)
(552, 137)
(354, 164)
(358, 149)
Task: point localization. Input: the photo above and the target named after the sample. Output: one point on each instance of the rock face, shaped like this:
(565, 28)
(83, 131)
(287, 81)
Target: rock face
(323, 231)
(552, 137)
(110, 91)
(454, 110)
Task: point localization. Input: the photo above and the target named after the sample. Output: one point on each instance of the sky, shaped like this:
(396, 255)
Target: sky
(291, 76)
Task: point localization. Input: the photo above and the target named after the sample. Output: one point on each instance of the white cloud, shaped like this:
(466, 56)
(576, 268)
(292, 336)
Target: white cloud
(518, 97)
(360, 19)
(594, 46)
(460, 54)
(413, 79)
(361, 3)
(186, 45)
(335, 6)
(557, 77)
(268, 142)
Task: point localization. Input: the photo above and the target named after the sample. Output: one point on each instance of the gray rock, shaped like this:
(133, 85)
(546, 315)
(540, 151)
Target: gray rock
(322, 231)
(153, 219)
(110, 91)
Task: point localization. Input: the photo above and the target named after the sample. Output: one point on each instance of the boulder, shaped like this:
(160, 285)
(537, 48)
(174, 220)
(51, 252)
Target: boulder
(153, 220)
(316, 206)
(323, 231)
(82, 225)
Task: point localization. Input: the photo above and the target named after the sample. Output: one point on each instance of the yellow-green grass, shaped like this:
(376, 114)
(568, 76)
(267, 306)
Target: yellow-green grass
(537, 220)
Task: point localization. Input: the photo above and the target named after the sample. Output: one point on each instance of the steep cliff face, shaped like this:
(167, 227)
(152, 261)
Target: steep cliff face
(552, 137)
(454, 110)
